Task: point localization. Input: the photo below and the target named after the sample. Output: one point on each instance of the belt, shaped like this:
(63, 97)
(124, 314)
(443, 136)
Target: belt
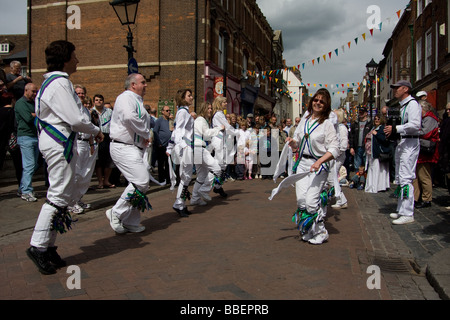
(85, 140)
(115, 141)
(307, 156)
(410, 137)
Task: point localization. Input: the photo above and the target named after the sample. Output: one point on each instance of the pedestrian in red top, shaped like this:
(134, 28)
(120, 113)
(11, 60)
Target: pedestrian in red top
(429, 155)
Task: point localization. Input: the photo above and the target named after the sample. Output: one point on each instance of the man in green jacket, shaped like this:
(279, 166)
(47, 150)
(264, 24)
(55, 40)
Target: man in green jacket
(27, 139)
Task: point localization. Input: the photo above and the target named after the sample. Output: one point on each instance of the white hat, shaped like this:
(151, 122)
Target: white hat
(421, 94)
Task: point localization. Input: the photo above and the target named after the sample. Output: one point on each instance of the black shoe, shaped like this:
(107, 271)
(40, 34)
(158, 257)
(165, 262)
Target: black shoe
(221, 192)
(425, 204)
(54, 258)
(41, 260)
(184, 213)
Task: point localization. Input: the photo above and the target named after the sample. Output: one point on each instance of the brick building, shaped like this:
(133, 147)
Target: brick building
(419, 51)
(178, 44)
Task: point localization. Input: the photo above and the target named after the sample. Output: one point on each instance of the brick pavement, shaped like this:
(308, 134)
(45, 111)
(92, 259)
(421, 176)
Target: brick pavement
(244, 248)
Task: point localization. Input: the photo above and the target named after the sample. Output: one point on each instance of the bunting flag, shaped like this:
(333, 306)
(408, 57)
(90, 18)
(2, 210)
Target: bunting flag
(272, 75)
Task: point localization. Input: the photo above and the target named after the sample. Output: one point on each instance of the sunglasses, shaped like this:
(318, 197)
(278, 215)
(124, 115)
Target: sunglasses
(319, 101)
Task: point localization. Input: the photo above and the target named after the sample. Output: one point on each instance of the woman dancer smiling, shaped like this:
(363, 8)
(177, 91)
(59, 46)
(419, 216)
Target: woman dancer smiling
(315, 143)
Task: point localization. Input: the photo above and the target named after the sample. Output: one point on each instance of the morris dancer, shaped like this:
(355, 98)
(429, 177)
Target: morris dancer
(219, 142)
(203, 159)
(130, 135)
(59, 116)
(314, 144)
(182, 145)
(407, 151)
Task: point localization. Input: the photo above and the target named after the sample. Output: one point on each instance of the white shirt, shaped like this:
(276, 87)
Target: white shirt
(411, 114)
(243, 137)
(343, 137)
(183, 133)
(105, 119)
(203, 132)
(220, 120)
(321, 140)
(60, 106)
(130, 121)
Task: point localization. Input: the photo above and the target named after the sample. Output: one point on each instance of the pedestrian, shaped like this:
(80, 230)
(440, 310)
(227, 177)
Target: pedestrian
(104, 164)
(203, 160)
(181, 145)
(428, 157)
(444, 146)
(407, 151)
(59, 116)
(342, 133)
(15, 81)
(8, 132)
(377, 168)
(294, 127)
(27, 139)
(130, 135)
(242, 137)
(162, 135)
(358, 131)
(315, 143)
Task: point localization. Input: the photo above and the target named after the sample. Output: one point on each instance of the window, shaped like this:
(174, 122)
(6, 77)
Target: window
(221, 60)
(428, 52)
(245, 64)
(419, 59)
(4, 47)
(419, 7)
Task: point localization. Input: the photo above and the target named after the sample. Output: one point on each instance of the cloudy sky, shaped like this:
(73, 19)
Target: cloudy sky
(311, 28)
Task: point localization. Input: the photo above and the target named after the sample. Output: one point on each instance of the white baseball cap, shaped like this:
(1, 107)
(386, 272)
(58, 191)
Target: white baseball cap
(421, 94)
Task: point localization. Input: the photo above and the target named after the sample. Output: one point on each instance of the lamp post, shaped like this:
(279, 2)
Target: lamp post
(126, 11)
(371, 67)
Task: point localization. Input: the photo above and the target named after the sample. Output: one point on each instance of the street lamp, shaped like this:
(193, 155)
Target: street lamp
(126, 11)
(371, 67)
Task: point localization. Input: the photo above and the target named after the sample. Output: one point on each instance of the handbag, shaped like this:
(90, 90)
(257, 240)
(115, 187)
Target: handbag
(385, 155)
(12, 142)
(427, 147)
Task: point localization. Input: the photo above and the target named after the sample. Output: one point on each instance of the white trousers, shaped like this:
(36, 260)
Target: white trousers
(186, 166)
(61, 192)
(406, 156)
(84, 168)
(308, 190)
(130, 161)
(333, 178)
(204, 164)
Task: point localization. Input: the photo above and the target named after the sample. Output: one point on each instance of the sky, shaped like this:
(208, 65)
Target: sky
(310, 29)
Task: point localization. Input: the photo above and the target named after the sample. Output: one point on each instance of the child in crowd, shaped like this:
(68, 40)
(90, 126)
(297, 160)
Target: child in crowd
(242, 138)
(359, 179)
(248, 161)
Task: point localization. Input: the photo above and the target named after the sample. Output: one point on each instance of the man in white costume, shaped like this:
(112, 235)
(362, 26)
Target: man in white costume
(59, 116)
(130, 135)
(407, 151)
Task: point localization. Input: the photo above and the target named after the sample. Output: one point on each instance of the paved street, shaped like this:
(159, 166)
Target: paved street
(244, 247)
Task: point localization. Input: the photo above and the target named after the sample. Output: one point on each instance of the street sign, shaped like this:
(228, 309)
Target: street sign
(132, 66)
